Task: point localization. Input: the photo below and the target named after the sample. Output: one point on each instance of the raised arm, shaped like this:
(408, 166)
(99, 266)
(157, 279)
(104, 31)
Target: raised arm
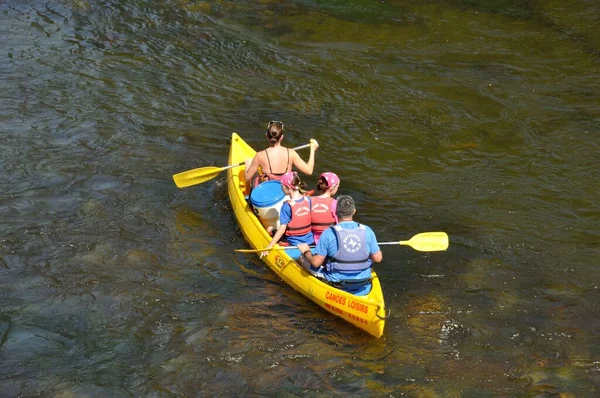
(301, 165)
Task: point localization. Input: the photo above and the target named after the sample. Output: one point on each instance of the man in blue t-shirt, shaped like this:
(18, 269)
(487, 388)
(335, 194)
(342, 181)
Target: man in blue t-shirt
(347, 266)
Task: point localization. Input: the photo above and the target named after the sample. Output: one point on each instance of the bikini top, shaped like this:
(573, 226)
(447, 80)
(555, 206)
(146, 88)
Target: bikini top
(271, 169)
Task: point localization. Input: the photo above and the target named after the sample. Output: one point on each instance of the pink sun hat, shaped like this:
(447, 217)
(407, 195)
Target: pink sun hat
(287, 179)
(331, 178)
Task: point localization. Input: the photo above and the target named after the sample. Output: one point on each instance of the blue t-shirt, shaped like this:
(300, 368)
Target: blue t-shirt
(285, 216)
(328, 247)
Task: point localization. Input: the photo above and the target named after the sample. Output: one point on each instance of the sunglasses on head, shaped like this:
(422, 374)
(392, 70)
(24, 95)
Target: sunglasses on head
(276, 122)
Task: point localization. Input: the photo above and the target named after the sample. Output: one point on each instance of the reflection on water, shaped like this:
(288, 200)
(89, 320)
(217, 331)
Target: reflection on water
(474, 119)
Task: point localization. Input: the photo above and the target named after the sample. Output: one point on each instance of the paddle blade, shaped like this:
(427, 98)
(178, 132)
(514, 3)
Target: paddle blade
(196, 176)
(428, 241)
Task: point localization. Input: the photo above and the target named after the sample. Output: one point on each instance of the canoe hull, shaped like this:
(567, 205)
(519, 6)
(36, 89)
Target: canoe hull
(365, 312)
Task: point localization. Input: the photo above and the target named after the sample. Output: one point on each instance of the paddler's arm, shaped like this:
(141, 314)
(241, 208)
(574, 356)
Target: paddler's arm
(301, 165)
(252, 168)
(315, 259)
(276, 238)
(376, 257)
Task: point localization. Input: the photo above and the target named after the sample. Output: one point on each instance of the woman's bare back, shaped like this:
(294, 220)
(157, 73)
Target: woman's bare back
(276, 160)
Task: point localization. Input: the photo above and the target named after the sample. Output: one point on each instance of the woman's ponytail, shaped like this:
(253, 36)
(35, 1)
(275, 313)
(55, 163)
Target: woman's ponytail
(274, 131)
(321, 186)
(273, 137)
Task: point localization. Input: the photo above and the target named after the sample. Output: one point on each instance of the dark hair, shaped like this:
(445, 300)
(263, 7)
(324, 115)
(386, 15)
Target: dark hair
(321, 185)
(297, 183)
(274, 131)
(345, 206)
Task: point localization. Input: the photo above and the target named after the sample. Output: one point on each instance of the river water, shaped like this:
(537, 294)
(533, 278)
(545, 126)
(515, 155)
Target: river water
(480, 120)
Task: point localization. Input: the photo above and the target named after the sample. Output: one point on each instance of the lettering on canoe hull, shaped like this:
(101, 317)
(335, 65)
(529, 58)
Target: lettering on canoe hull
(336, 298)
(360, 307)
(279, 261)
(346, 314)
(341, 300)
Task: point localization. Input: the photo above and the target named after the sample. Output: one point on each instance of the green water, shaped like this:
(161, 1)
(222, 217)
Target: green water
(474, 118)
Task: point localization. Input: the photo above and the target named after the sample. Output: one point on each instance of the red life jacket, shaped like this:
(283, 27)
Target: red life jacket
(300, 223)
(320, 213)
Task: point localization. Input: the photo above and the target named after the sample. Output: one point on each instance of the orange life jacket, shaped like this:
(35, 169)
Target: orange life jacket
(320, 213)
(300, 223)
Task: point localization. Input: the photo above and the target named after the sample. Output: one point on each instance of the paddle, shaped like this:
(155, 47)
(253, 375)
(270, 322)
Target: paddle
(423, 242)
(203, 174)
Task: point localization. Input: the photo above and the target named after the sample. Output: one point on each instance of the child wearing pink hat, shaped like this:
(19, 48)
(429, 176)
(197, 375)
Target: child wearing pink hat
(323, 207)
(294, 216)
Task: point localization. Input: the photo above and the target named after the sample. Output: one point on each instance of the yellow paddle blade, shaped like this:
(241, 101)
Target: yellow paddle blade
(196, 176)
(428, 241)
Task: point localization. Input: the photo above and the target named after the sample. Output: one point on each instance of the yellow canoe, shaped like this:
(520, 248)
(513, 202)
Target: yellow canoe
(366, 312)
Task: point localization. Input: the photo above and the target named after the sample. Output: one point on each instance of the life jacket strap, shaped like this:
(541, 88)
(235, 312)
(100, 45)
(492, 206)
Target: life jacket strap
(298, 228)
(351, 262)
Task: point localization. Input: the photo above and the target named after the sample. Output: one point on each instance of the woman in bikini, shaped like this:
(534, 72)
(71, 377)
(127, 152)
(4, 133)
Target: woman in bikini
(275, 161)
